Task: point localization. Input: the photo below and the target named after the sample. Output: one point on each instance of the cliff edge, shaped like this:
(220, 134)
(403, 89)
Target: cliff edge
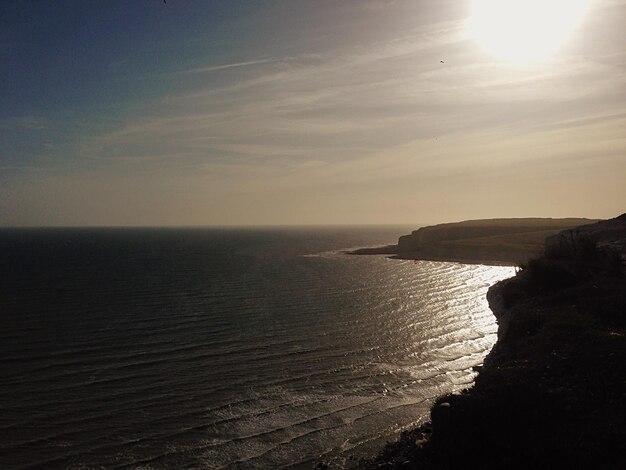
(552, 392)
(484, 241)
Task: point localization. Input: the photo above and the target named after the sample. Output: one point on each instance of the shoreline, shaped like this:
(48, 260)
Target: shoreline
(550, 394)
(444, 259)
(495, 242)
(488, 258)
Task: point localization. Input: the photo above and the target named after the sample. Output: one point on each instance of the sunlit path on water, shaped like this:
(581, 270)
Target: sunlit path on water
(228, 349)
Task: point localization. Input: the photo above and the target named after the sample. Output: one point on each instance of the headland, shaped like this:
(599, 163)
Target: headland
(486, 241)
(552, 392)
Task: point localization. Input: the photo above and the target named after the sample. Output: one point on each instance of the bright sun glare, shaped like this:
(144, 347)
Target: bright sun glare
(524, 30)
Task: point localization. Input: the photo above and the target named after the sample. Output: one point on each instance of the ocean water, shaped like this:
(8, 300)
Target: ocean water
(225, 348)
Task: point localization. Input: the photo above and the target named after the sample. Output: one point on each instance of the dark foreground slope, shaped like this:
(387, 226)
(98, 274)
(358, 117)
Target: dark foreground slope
(552, 392)
(487, 241)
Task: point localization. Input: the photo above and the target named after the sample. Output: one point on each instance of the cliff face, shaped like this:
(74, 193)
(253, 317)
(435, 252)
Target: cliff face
(482, 228)
(491, 240)
(487, 241)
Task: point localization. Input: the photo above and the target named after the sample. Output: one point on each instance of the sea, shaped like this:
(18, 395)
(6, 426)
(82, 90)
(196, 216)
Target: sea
(238, 348)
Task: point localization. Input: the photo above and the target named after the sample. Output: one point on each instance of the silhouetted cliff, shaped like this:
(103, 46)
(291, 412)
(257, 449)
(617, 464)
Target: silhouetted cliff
(552, 392)
(606, 234)
(487, 241)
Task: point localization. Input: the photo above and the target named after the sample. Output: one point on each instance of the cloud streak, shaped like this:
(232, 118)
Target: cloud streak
(216, 68)
(383, 123)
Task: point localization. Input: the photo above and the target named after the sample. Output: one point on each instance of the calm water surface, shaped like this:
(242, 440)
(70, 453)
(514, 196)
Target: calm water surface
(209, 348)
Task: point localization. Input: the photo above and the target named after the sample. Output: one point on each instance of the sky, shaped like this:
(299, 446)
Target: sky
(306, 112)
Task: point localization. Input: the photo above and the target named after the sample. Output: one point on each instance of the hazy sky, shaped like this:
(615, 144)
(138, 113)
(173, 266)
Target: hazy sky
(303, 111)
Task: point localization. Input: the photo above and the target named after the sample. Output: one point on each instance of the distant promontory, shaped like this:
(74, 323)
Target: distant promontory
(551, 394)
(484, 241)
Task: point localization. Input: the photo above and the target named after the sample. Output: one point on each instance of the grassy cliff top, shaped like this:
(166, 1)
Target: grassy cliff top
(530, 222)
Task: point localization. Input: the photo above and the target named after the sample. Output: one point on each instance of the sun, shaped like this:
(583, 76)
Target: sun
(524, 30)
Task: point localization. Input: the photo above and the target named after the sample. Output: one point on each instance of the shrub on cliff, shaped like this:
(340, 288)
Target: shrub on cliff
(568, 264)
(614, 263)
(584, 254)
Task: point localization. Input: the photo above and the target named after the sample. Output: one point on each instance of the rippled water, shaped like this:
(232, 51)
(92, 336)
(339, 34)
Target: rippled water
(214, 348)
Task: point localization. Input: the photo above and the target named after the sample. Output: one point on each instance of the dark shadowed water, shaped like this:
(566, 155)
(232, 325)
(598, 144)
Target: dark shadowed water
(209, 348)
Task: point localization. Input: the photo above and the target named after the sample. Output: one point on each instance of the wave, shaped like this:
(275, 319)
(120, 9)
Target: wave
(189, 355)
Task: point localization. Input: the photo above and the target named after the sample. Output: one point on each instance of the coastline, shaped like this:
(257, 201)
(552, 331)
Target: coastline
(462, 260)
(497, 242)
(445, 259)
(466, 258)
(550, 394)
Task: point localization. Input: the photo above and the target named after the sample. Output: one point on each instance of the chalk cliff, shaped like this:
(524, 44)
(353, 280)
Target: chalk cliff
(487, 241)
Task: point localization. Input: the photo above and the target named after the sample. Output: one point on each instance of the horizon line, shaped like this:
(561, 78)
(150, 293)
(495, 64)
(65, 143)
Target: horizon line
(265, 226)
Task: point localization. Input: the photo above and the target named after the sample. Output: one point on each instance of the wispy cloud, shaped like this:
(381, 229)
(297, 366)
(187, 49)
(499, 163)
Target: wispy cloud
(215, 68)
(24, 122)
(381, 122)
(356, 103)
